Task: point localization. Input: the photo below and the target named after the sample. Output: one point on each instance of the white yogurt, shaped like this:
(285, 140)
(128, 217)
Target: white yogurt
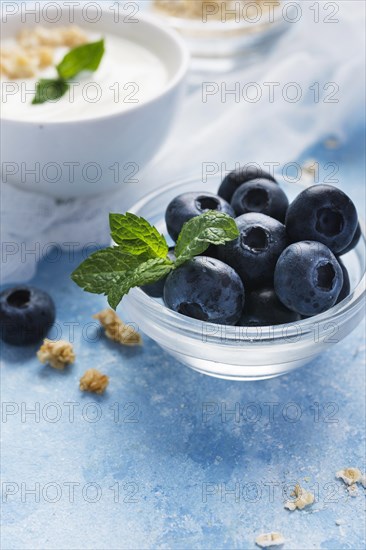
(128, 75)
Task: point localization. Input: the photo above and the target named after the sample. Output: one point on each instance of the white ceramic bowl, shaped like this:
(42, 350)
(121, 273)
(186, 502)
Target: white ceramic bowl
(242, 353)
(129, 137)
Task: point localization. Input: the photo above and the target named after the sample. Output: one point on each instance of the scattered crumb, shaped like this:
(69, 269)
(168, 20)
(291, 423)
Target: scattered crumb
(57, 353)
(353, 491)
(307, 479)
(269, 539)
(94, 381)
(350, 476)
(303, 498)
(116, 329)
(332, 143)
(310, 170)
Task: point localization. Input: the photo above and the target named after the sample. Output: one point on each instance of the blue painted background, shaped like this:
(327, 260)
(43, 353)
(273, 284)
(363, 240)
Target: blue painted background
(159, 461)
(152, 462)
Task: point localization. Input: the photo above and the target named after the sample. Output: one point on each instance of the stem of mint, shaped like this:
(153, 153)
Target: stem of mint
(141, 254)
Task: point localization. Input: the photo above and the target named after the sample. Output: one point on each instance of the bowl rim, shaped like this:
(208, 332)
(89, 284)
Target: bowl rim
(192, 326)
(187, 24)
(176, 79)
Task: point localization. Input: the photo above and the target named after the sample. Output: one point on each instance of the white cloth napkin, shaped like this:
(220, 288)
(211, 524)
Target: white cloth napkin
(310, 54)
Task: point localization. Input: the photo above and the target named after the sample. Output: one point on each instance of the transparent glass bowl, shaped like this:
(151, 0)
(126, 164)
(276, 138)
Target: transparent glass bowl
(242, 353)
(223, 43)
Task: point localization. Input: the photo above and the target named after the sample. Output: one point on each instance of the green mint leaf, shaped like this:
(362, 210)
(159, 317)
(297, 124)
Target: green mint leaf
(198, 233)
(83, 58)
(145, 273)
(140, 257)
(136, 236)
(49, 90)
(103, 269)
(113, 273)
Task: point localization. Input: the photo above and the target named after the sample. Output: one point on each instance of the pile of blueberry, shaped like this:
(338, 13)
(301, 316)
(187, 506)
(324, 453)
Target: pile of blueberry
(284, 266)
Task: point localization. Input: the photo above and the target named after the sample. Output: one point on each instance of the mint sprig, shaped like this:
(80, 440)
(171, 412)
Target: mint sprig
(136, 236)
(104, 269)
(146, 273)
(198, 233)
(82, 58)
(112, 272)
(49, 90)
(141, 255)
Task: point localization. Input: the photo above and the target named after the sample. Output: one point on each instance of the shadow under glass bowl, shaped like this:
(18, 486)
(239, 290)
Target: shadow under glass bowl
(242, 353)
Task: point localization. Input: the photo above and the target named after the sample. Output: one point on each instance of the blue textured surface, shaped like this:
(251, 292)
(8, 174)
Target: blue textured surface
(161, 436)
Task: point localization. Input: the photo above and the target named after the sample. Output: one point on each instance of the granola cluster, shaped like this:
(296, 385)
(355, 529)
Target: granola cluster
(310, 171)
(94, 381)
(35, 49)
(70, 37)
(351, 477)
(116, 330)
(20, 63)
(302, 498)
(57, 353)
(60, 353)
(269, 539)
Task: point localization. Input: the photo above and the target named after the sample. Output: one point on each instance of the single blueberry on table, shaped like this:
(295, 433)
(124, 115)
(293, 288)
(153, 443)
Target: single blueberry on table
(260, 195)
(263, 308)
(255, 252)
(346, 288)
(354, 242)
(237, 177)
(206, 289)
(26, 315)
(324, 214)
(308, 278)
(188, 206)
(156, 290)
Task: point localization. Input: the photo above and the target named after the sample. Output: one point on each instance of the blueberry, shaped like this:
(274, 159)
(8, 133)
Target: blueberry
(308, 278)
(255, 252)
(237, 177)
(346, 288)
(26, 314)
(354, 242)
(188, 205)
(262, 307)
(325, 214)
(156, 290)
(262, 196)
(206, 289)
(212, 251)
